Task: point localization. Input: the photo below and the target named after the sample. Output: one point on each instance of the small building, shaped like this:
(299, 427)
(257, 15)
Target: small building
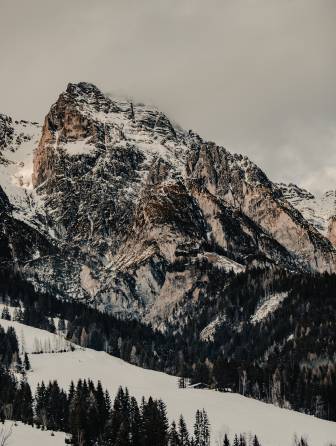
(198, 386)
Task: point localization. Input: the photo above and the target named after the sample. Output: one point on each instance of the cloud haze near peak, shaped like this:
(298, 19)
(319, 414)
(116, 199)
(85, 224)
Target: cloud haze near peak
(257, 76)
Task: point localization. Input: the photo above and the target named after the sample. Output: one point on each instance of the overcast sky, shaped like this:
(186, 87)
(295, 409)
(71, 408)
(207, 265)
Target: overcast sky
(258, 76)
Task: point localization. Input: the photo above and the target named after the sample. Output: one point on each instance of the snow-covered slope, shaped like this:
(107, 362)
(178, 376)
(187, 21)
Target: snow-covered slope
(16, 167)
(22, 434)
(228, 412)
(316, 209)
(34, 340)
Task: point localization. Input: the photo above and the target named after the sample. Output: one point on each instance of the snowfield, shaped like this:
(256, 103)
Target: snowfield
(228, 412)
(34, 340)
(29, 436)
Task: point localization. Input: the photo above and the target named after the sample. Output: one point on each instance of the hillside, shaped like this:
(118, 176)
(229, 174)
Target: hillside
(23, 434)
(228, 412)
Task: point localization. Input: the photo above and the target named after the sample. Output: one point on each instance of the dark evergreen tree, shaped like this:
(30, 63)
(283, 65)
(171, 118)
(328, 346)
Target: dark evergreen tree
(256, 441)
(173, 437)
(26, 362)
(226, 441)
(5, 314)
(183, 432)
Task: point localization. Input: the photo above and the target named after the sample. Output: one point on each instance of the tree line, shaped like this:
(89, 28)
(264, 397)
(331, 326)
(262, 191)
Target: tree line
(88, 415)
(287, 359)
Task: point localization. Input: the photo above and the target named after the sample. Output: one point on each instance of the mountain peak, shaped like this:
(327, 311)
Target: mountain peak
(83, 87)
(137, 205)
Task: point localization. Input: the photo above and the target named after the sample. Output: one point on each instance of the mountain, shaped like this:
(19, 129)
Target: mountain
(112, 203)
(319, 211)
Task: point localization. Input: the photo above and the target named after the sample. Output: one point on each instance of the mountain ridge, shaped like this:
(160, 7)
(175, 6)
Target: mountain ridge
(137, 211)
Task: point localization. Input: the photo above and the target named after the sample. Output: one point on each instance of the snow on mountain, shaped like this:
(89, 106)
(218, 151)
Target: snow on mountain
(228, 412)
(268, 306)
(16, 166)
(116, 205)
(317, 210)
(208, 332)
(22, 434)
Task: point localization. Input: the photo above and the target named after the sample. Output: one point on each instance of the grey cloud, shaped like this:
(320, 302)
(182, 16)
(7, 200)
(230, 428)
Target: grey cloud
(257, 76)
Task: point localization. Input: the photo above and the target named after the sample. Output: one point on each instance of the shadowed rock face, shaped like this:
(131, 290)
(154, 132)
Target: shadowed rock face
(144, 210)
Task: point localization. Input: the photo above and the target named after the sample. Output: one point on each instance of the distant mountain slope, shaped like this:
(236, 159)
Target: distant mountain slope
(320, 211)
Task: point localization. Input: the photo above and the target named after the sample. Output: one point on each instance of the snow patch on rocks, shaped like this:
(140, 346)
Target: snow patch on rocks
(268, 307)
(207, 334)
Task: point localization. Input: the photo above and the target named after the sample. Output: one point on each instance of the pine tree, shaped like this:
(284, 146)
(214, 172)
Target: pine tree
(26, 362)
(102, 406)
(198, 428)
(40, 403)
(201, 429)
(226, 441)
(256, 441)
(5, 314)
(242, 441)
(119, 415)
(92, 426)
(154, 423)
(173, 437)
(205, 429)
(61, 325)
(135, 423)
(183, 432)
(123, 436)
(25, 400)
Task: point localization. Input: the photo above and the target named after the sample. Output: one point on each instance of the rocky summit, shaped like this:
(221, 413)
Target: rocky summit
(111, 202)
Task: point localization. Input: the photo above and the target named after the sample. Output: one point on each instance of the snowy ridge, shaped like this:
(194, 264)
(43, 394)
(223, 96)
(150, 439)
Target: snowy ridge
(317, 210)
(126, 122)
(16, 170)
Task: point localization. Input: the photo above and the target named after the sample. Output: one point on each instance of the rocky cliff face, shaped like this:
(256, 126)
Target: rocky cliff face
(144, 212)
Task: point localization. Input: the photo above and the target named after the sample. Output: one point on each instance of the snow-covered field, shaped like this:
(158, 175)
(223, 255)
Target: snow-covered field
(29, 436)
(227, 412)
(34, 340)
